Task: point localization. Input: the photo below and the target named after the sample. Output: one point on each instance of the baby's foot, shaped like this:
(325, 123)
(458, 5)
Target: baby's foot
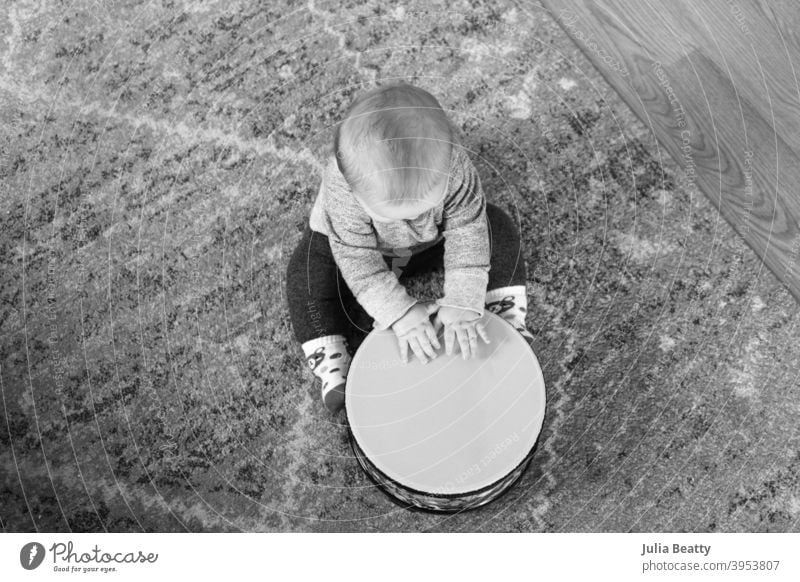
(511, 303)
(329, 361)
(333, 396)
(527, 335)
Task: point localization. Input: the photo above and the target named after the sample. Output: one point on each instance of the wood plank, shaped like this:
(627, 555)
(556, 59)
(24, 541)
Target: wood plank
(716, 81)
(749, 50)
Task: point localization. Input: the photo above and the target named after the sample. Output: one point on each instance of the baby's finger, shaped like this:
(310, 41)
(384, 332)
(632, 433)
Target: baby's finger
(473, 340)
(431, 332)
(417, 349)
(425, 342)
(449, 336)
(403, 349)
(481, 329)
(437, 326)
(463, 341)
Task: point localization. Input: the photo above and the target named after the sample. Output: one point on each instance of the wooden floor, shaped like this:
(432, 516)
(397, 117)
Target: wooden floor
(717, 82)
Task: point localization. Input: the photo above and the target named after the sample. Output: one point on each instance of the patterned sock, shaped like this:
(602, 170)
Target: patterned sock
(510, 303)
(329, 360)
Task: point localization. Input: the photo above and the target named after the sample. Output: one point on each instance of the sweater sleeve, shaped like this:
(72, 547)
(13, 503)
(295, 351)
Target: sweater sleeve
(354, 247)
(466, 232)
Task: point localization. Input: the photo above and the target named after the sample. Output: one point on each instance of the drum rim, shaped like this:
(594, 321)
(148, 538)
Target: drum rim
(525, 457)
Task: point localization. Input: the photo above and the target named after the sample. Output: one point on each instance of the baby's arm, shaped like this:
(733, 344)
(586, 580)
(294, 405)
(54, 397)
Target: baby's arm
(354, 247)
(466, 232)
(466, 258)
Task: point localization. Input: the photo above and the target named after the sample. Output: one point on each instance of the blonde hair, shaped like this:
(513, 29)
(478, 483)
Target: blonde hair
(394, 143)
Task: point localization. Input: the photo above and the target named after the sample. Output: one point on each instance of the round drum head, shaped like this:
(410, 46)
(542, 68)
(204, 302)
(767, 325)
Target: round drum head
(451, 427)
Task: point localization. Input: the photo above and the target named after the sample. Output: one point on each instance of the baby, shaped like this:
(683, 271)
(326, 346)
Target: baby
(400, 193)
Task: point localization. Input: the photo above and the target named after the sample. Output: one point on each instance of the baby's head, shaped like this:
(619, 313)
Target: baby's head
(393, 148)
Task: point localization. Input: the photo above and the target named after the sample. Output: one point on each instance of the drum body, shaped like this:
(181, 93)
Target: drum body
(452, 434)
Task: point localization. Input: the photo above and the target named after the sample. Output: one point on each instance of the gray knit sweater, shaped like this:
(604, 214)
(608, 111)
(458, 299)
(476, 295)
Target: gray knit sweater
(358, 243)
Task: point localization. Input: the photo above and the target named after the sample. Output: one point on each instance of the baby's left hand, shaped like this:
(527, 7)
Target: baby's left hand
(463, 325)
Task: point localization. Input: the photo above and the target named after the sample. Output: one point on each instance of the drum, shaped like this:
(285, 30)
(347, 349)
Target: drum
(452, 434)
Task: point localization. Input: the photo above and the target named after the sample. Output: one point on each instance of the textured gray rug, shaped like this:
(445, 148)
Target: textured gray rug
(157, 167)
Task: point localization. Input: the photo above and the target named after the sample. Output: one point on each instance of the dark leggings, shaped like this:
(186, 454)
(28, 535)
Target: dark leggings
(321, 303)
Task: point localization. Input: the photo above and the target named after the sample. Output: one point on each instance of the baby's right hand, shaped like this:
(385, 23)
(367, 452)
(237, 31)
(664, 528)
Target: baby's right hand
(416, 330)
